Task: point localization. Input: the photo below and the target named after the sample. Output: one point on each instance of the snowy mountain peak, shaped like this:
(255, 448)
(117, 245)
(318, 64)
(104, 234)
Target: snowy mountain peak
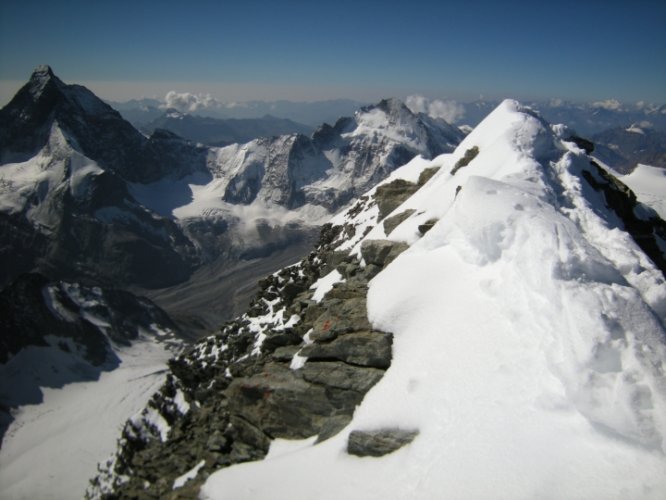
(40, 78)
(391, 106)
(393, 109)
(42, 72)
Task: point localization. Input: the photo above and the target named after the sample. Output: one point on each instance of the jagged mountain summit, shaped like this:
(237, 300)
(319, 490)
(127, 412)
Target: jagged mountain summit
(86, 197)
(65, 206)
(303, 173)
(489, 323)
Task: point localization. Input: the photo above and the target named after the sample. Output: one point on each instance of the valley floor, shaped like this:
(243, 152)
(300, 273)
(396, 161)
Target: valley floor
(220, 291)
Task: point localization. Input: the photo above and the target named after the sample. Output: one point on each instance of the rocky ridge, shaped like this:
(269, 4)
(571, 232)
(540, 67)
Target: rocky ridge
(295, 365)
(298, 363)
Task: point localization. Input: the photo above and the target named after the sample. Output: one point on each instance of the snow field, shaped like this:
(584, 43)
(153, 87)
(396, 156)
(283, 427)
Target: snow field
(52, 449)
(649, 185)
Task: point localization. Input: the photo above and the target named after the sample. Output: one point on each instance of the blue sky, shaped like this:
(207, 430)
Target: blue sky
(582, 50)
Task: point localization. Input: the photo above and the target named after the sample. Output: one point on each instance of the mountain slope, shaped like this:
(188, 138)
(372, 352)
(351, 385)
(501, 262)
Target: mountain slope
(623, 148)
(527, 344)
(649, 184)
(294, 171)
(65, 208)
(529, 341)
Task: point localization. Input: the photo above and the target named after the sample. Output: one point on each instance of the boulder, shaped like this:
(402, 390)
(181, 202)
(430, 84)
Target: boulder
(426, 175)
(339, 317)
(393, 194)
(280, 403)
(427, 226)
(469, 155)
(379, 442)
(381, 252)
(392, 222)
(339, 375)
(371, 349)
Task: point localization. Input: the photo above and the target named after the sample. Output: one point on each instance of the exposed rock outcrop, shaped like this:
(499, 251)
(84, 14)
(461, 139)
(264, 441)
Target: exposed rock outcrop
(378, 443)
(291, 367)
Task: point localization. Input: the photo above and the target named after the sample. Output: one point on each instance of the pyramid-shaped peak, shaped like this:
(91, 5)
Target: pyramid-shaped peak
(41, 78)
(42, 71)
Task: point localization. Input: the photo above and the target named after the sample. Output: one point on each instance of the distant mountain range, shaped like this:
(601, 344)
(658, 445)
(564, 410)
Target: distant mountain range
(586, 118)
(222, 132)
(86, 197)
(622, 148)
(142, 111)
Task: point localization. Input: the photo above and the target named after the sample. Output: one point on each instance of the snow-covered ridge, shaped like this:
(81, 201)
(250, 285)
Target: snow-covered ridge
(529, 332)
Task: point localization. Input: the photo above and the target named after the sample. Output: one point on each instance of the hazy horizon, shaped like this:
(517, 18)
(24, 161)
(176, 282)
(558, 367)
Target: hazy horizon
(304, 51)
(123, 91)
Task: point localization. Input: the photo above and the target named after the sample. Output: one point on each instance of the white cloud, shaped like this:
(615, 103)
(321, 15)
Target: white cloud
(451, 111)
(609, 104)
(188, 102)
(417, 103)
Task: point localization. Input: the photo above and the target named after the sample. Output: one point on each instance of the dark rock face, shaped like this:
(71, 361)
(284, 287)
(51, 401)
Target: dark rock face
(381, 252)
(427, 174)
(467, 158)
(302, 375)
(25, 318)
(379, 442)
(359, 348)
(427, 226)
(280, 402)
(582, 143)
(391, 223)
(99, 131)
(390, 196)
(33, 307)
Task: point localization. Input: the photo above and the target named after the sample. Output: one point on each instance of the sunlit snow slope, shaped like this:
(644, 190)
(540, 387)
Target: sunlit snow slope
(529, 339)
(649, 184)
(52, 448)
